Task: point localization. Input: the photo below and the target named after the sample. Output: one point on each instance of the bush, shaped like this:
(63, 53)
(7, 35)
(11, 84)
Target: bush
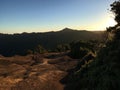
(80, 49)
(63, 47)
(39, 49)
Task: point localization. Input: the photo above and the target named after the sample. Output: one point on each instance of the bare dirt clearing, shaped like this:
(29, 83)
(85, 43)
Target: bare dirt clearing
(38, 72)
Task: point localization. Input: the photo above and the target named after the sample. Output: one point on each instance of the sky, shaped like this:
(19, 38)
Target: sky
(17, 16)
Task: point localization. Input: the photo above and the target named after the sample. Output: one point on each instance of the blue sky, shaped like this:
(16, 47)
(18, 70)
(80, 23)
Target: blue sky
(18, 16)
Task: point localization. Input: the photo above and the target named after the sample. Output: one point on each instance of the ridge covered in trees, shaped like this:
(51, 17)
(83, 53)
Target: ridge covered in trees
(21, 44)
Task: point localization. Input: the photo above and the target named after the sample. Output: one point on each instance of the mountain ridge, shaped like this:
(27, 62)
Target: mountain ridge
(12, 44)
(62, 30)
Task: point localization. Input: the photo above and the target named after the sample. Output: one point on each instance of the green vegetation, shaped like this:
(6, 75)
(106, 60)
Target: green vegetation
(103, 73)
(39, 49)
(63, 47)
(22, 44)
(81, 48)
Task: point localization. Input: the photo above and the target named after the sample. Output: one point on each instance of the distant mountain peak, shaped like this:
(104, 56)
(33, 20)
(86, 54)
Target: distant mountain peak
(66, 30)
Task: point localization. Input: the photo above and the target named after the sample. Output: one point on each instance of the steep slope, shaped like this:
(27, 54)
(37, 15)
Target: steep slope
(103, 73)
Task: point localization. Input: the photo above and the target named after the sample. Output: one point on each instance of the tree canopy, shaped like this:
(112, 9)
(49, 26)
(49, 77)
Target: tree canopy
(115, 8)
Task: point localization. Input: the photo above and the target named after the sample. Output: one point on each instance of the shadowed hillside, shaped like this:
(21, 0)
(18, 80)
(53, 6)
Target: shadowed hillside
(12, 44)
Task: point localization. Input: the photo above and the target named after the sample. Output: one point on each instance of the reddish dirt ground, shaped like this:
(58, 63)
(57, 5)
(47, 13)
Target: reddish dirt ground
(34, 72)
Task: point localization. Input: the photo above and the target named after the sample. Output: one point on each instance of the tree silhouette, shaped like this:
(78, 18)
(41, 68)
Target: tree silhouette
(115, 8)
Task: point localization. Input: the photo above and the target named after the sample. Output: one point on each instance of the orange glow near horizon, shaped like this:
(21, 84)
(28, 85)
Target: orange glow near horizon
(105, 22)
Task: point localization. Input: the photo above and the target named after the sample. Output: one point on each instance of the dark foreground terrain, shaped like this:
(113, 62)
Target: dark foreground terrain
(34, 72)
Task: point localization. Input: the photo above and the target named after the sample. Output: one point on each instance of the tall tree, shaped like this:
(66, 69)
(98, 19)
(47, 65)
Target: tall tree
(115, 8)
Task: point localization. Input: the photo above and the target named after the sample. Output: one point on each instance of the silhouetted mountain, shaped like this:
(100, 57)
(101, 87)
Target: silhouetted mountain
(11, 44)
(67, 30)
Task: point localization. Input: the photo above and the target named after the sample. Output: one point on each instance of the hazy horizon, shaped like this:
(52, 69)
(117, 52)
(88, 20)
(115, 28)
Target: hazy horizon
(50, 31)
(19, 16)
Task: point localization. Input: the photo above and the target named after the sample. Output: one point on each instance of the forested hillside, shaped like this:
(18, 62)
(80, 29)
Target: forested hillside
(12, 44)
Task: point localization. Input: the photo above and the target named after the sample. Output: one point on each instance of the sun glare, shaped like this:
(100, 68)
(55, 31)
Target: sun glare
(110, 20)
(107, 22)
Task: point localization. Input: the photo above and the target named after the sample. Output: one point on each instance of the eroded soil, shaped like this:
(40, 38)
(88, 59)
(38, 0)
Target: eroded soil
(34, 72)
